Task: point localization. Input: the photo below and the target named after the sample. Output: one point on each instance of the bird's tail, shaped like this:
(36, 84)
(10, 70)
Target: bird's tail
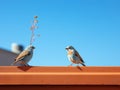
(13, 63)
(83, 64)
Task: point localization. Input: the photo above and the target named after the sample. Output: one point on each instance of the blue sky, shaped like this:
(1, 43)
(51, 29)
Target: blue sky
(91, 26)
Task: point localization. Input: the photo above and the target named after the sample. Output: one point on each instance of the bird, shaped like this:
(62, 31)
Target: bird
(25, 56)
(74, 56)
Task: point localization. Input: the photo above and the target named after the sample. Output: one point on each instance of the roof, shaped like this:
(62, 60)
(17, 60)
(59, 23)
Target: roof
(6, 57)
(59, 75)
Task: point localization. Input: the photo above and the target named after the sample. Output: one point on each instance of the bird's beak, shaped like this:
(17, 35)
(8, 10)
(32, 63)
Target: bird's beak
(66, 48)
(33, 47)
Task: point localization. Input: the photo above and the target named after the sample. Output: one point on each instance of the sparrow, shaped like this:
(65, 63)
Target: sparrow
(74, 56)
(25, 56)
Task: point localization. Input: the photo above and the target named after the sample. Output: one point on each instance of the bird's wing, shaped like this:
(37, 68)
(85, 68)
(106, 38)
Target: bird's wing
(78, 55)
(22, 55)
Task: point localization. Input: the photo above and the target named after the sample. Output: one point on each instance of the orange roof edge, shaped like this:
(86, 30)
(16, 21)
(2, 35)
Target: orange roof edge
(59, 75)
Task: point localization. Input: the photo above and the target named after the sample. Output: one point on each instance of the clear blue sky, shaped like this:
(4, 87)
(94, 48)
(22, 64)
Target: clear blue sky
(91, 26)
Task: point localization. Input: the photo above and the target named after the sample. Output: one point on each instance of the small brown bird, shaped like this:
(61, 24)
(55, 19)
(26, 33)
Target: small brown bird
(74, 56)
(25, 56)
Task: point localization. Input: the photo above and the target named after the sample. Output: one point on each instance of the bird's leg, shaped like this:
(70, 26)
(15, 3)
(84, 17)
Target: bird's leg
(13, 63)
(71, 64)
(22, 62)
(27, 64)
